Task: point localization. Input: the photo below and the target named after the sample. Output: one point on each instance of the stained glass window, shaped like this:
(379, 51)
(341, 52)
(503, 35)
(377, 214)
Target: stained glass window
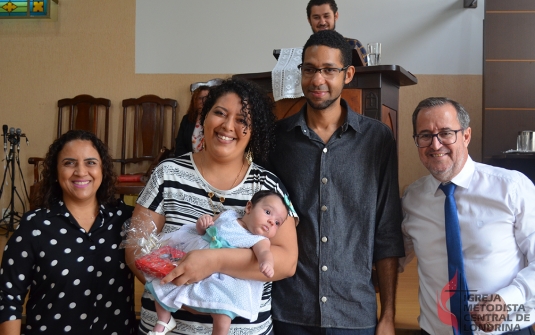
(25, 9)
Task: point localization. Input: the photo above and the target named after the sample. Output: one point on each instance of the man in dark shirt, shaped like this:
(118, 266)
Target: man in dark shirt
(340, 169)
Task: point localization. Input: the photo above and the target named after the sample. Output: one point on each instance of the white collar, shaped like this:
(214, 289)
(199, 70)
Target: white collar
(462, 179)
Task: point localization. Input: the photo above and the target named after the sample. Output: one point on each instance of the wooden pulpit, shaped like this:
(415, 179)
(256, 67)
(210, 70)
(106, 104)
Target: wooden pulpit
(374, 92)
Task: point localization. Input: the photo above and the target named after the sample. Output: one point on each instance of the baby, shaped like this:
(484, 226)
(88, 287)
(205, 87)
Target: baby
(222, 296)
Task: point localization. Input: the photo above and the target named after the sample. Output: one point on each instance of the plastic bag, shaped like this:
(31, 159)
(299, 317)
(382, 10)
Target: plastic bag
(153, 255)
(160, 262)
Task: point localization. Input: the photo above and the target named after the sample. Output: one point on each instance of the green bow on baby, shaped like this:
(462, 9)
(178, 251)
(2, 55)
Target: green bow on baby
(215, 242)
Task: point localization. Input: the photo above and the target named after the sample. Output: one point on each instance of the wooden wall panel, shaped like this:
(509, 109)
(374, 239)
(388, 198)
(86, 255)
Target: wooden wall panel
(509, 5)
(508, 76)
(509, 84)
(509, 36)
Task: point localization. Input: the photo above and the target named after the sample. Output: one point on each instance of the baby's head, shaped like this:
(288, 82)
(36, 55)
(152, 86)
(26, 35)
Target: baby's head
(265, 213)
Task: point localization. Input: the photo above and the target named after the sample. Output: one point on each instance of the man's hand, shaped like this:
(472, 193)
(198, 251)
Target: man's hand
(385, 327)
(387, 275)
(489, 313)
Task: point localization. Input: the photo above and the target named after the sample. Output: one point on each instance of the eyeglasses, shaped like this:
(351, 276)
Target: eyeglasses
(202, 99)
(444, 137)
(326, 72)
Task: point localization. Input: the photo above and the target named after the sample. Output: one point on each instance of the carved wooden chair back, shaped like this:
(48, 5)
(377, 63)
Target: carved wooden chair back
(149, 124)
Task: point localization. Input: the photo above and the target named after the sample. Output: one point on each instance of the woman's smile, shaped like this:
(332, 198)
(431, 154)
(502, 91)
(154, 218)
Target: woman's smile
(225, 138)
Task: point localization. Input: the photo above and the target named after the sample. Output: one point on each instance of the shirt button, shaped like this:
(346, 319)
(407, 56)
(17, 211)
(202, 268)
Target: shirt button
(324, 180)
(323, 208)
(324, 239)
(325, 150)
(324, 268)
(323, 299)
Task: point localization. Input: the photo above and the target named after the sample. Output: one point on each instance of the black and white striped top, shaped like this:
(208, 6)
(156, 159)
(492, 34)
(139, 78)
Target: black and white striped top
(177, 190)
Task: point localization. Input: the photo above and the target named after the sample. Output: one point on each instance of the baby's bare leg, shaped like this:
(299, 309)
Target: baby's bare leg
(163, 315)
(221, 324)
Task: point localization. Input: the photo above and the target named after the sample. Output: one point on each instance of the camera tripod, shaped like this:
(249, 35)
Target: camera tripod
(11, 217)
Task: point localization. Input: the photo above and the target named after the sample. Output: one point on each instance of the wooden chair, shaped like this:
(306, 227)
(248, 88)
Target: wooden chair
(82, 112)
(149, 128)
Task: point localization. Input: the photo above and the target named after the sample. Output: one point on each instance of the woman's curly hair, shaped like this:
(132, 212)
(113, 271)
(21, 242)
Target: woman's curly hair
(257, 110)
(50, 191)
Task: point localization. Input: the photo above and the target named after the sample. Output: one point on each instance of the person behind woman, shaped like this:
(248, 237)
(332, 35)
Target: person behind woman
(238, 122)
(189, 137)
(67, 252)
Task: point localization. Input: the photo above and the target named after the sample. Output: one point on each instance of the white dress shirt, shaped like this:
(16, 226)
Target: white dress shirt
(496, 210)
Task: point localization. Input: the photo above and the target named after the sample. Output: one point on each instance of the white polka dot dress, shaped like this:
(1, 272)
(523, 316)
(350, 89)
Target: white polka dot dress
(78, 282)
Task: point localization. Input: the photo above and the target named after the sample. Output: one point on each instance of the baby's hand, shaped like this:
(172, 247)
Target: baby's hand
(205, 221)
(267, 269)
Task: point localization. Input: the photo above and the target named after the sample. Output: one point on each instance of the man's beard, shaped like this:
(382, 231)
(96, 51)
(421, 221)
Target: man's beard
(322, 105)
(334, 28)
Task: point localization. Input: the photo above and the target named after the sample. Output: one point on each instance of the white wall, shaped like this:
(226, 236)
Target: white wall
(238, 36)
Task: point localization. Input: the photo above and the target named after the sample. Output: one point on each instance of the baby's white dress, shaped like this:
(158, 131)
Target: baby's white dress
(219, 291)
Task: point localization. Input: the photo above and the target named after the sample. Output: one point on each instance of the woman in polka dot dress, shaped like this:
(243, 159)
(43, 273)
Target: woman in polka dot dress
(66, 253)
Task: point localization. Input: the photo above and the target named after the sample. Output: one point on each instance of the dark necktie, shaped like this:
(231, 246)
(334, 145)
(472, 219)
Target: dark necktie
(459, 300)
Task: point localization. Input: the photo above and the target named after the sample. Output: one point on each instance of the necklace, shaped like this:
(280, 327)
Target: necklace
(77, 218)
(211, 194)
(90, 218)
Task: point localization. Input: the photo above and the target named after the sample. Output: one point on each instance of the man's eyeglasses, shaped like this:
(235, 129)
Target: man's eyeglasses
(326, 72)
(444, 137)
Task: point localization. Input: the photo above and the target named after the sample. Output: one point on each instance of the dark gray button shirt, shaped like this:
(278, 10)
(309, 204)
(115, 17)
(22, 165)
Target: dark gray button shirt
(347, 196)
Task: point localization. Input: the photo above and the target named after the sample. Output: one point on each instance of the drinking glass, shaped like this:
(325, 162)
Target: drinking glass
(374, 53)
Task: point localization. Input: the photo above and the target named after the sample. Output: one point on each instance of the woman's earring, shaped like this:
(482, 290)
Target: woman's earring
(249, 156)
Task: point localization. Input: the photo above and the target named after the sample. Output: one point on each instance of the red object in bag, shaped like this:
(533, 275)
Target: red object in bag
(160, 261)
